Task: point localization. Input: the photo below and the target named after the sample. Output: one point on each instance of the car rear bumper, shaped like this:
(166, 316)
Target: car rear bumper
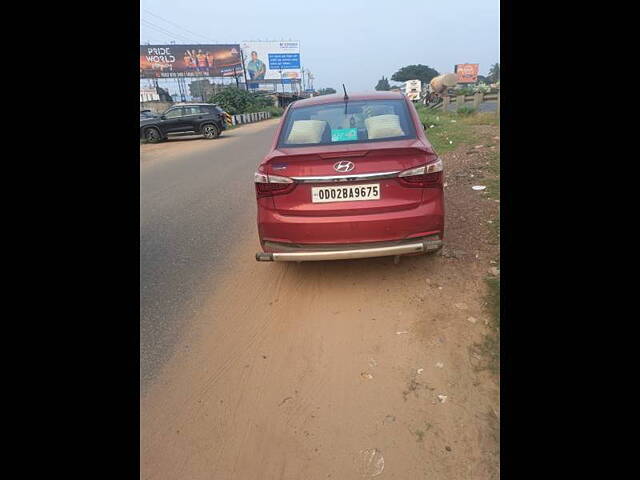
(425, 219)
(306, 253)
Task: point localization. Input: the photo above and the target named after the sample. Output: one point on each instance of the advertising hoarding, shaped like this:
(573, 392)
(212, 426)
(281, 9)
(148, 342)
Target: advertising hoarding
(272, 62)
(173, 61)
(412, 89)
(467, 72)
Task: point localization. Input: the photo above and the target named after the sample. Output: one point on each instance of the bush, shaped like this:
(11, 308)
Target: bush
(261, 103)
(235, 100)
(465, 110)
(275, 111)
(464, 91)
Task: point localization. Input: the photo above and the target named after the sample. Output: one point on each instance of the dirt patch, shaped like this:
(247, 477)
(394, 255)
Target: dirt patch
(339, 369)
(468, 211)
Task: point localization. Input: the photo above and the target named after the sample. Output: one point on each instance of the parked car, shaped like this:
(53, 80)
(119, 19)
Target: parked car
(144, 114)
(349, 178)
(205, 119)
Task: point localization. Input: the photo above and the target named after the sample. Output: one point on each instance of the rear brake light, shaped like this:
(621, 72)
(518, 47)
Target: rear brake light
(423, 176)
(267, 185)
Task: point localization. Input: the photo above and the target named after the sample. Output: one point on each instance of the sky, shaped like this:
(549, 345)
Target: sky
(354, 42)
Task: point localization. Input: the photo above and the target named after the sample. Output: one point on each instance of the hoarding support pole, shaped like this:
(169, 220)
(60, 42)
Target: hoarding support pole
(244, 71)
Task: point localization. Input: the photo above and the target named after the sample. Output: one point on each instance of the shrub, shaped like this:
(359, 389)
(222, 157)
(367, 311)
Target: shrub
(275, 111)
(465, 110)
(464, 91)
(235, 100)
(262, 103)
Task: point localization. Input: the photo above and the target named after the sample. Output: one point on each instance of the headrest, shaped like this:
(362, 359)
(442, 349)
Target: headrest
(383, 126)
(306, 131)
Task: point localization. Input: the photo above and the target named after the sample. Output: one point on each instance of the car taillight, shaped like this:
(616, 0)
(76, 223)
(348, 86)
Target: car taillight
(429, 175)
(267, 185)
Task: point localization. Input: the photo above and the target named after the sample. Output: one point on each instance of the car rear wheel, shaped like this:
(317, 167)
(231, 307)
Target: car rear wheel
(210, 131)
(152, 135)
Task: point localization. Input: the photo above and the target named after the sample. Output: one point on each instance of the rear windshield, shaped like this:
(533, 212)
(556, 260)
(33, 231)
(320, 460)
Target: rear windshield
(353, 122)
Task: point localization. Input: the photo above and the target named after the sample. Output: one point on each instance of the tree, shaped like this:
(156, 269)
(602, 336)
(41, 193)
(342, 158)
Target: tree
(326, 91)
(494, 73)
(420, 72)
(383, 84)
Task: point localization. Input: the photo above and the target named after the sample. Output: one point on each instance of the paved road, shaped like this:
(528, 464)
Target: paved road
(196, 198)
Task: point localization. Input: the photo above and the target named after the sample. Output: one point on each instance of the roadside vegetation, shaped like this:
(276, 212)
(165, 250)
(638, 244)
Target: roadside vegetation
(490, 345)
(447, 131)
(235, 101)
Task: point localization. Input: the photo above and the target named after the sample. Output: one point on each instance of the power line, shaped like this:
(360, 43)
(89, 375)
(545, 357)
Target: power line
(157, 28)
(180, 27)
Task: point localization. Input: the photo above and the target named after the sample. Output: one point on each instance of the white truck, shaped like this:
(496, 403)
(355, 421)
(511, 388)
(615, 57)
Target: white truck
(412, 89)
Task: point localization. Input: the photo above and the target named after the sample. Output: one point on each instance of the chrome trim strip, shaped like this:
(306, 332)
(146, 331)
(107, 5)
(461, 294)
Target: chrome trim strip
(346, 254)
(347, 178)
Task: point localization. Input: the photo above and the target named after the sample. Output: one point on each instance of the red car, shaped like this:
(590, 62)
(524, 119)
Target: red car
(349, 177)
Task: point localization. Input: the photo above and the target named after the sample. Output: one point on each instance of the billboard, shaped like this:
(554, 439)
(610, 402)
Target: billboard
(467, 72)
(271, 62)
(171, 61)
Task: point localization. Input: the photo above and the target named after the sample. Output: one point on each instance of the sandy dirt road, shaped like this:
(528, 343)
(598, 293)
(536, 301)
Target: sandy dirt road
(343, 370)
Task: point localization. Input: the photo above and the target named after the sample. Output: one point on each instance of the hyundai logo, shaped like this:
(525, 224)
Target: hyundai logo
(343, 166)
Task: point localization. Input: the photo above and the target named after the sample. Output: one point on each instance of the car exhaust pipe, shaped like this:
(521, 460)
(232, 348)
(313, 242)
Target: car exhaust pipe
(264, 257)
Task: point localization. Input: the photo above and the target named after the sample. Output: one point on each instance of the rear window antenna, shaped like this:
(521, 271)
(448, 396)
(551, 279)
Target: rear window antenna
(346, 98)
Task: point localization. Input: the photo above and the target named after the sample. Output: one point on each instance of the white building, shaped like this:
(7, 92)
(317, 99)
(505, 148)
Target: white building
(149, 95)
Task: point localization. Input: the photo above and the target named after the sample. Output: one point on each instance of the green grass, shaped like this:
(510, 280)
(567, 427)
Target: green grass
(451, 129)
(481, 118)
(465, 110)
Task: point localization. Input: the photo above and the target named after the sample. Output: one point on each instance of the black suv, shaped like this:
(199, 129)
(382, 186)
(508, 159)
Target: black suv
(206, 119)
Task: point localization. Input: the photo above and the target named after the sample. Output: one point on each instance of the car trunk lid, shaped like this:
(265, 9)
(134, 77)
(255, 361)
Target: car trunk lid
(370, 159)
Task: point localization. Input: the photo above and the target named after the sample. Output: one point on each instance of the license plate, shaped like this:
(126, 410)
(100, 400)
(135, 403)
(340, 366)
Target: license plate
(345, 193)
